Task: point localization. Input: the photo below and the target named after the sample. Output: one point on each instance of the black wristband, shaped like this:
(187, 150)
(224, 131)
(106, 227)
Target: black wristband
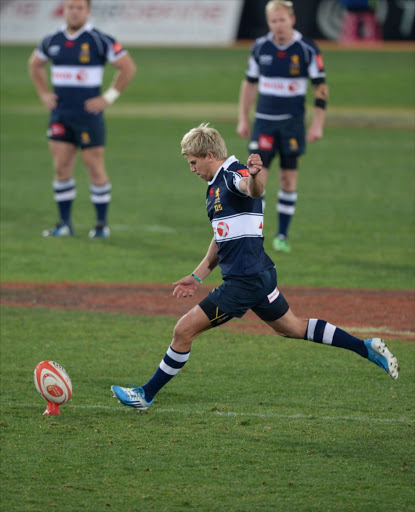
(320, 103)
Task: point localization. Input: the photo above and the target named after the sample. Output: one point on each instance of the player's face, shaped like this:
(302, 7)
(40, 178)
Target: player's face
(76, 13)
(201, 166)
(281, 23)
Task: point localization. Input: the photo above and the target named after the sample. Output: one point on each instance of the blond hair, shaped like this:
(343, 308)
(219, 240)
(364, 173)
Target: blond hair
(203, 140)
(273, 5)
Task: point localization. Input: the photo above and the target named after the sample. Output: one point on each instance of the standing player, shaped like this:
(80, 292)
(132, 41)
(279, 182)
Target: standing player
(79, 53)
(279, 67)
(234, 207)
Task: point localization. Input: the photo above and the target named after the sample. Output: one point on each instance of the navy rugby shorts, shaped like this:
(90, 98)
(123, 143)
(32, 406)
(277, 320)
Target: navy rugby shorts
(286, 137)
(236, 295)
(83, 131)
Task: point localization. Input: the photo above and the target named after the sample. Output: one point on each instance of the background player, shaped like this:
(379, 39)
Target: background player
(79, 53)
(279, 67)
(234, 207)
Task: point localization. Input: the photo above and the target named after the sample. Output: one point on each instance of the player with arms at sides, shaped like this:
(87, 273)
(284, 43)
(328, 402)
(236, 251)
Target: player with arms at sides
(234, 208)
(280, 65)
(78, 53)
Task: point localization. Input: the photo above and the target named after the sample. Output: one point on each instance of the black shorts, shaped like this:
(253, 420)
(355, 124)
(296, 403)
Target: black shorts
(236, 295)
(83, 131)
(286, 137)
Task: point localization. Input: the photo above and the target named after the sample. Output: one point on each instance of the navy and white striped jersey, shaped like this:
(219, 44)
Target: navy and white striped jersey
(78, 62)
(237, 221)
(283, 73)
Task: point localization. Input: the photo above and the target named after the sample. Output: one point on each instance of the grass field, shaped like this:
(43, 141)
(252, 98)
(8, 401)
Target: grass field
(253, 422)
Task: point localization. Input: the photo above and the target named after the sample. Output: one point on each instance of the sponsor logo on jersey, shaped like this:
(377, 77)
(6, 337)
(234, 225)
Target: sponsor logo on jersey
(69, 44)
(84, 56)
(244, 173)
(222, 229)
(54, 50)
(117, 47)
(265, 60)
(82, 76)
(281, 54)
(294, 87)
(265, 142)
(320, 62)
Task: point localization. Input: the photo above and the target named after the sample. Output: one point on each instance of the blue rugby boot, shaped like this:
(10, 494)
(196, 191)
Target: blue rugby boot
(379, 354)
(61, 229)
(100, 231)
(134, 397)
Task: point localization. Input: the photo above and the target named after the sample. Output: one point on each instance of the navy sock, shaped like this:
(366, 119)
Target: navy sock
(170, 366)
(64, 194)
(321, 331)
(101, 198)
(285, 209)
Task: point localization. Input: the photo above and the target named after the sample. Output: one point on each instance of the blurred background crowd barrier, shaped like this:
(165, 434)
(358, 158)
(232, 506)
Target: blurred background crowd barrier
(213, 22)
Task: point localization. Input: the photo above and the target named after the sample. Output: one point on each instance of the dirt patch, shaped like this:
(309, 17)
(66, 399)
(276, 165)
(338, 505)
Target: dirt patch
(386, 313)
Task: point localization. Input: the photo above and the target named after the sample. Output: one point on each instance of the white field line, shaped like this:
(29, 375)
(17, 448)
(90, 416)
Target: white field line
(187, 412)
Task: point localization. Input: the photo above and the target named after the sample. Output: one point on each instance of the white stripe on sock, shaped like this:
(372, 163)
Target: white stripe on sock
(168, 369)
(328, 333)
(312, 322)
(180, 358)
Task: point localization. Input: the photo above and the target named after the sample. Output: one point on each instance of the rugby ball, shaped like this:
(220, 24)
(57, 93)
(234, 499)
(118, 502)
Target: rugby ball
(52, 382)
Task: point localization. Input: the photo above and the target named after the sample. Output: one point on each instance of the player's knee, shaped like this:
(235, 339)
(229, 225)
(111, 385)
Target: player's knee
(182, 336)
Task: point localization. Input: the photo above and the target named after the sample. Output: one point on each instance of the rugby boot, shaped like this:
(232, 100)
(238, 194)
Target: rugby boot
(134, 397)
(61, 229)
(379, 354)
(280, 244)
(99, 231)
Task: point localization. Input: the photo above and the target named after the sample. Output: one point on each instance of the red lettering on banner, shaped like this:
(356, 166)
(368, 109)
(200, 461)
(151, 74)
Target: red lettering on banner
(265, 142)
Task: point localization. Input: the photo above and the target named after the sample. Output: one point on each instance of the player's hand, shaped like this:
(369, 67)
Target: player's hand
(315, 132)
(243, 129)
(50, 100)
(254, 164)
(185, 287)
(96, 105)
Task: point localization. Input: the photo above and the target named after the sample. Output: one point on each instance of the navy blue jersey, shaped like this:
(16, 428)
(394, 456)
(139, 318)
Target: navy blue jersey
(283, 73)
(78, 65)
(237, 222)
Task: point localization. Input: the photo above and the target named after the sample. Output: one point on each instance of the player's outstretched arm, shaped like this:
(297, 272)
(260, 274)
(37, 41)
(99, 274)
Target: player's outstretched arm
(188, 285)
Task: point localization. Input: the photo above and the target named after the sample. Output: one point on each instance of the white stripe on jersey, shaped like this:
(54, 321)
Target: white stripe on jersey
(282, 87)
(238, 226)
(77, 76)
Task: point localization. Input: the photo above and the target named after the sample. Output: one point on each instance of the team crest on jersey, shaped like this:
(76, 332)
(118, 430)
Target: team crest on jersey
(86, 139)
(217, 205)
(84, 56)
(295, 65)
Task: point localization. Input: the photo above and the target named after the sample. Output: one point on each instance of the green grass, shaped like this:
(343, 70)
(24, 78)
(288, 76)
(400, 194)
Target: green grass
(252, 422)
(247, 425)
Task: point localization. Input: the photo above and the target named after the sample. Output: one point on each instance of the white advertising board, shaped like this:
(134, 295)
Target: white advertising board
(131, 22)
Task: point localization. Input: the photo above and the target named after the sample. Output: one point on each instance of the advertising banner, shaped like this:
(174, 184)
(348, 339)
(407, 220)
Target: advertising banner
(132, 22)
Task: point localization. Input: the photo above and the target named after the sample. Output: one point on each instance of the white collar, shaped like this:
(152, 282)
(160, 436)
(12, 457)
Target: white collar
(296, 37)
(86, 28)
(225, 165)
